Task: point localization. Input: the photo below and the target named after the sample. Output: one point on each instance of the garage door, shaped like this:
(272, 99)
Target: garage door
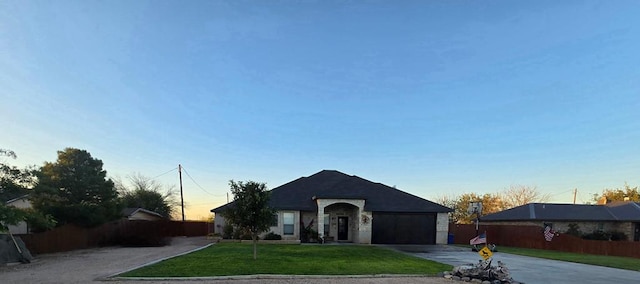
(403, 228)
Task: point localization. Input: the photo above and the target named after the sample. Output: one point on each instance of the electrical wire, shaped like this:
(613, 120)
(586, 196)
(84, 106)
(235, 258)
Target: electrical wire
(198, 185)
(171, 170)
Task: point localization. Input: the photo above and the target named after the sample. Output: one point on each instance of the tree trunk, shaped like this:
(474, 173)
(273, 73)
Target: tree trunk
(255, 245)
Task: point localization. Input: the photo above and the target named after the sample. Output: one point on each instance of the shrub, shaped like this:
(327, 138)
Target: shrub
(574, 230)
(618, 236)
(247, 236)
(227, 232)
(272, 236)
(596, 235)
(236, 234)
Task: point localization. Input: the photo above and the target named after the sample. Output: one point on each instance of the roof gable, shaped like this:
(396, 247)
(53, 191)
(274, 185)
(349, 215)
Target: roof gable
(300, 194)
(128, 212)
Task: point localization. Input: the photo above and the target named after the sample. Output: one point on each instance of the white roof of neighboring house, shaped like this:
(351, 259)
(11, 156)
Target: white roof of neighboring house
(127, 212)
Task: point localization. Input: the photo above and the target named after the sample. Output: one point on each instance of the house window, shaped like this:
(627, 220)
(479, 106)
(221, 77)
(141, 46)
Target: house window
(287, 221)
(274, 220)
(327, 225)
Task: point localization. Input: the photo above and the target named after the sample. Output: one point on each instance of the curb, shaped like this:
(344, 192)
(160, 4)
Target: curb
(271, 276)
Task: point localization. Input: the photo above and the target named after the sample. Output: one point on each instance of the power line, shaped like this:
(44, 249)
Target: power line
(570, 190)
(201, 188)
(171, 170)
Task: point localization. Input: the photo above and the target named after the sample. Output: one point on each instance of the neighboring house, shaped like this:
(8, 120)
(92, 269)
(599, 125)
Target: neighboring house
(141, 214)
(616, 216)
(23, 203)
(348, 208)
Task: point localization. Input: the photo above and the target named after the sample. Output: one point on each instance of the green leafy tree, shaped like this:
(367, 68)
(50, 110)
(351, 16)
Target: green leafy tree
(619, 194)
(250, 211)
(15, 183)
(491, 203)
(143, 192)
(75, 190)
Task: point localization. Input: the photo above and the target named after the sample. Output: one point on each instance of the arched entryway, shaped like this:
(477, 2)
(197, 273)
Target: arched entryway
(343, 220)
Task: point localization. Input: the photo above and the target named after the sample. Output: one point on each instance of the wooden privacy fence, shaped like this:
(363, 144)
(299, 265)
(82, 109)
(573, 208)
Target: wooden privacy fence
(122, 232)
(533, 237)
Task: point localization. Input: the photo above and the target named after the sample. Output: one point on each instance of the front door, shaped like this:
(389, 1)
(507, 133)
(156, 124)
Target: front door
(343, 228)
(636, 236)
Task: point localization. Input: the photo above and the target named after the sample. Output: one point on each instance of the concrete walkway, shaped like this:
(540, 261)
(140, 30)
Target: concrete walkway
(528, 269)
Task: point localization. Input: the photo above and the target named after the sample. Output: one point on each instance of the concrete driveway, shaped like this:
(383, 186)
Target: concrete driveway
(84, 266)
(528, 269)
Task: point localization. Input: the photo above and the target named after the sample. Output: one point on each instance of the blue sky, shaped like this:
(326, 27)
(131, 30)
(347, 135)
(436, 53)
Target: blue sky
(434, 97)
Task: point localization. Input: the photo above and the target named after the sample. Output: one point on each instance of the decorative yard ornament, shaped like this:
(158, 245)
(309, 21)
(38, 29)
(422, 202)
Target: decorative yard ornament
(482, 271)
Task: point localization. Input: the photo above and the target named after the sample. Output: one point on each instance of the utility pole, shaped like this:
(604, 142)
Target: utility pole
(575, 192)
(181, 197)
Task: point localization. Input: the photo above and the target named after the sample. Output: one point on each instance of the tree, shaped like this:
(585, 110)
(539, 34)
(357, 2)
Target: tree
(15, 183)
(75, 189)
(517, 195)
(491, 203)
(250, 210)
(620, 194)
(143, 192)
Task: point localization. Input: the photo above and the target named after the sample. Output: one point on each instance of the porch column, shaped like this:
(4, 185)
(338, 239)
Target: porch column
(320, 220)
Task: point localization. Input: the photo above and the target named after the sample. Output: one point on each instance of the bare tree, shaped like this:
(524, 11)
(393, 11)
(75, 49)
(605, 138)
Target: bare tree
(147, 193)
(517, 195)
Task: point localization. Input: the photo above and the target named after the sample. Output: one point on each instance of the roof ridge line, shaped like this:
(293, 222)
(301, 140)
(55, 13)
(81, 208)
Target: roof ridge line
(607, 208)
(532, 210)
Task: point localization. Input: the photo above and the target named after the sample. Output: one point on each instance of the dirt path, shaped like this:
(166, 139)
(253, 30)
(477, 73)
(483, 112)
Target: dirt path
(93, 265)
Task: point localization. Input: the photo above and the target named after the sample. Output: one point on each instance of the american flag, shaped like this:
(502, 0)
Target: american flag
(548, 233)
(481, 239)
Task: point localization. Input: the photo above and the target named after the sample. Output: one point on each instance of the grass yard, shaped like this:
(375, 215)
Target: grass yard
(600, 260)
(225, 259)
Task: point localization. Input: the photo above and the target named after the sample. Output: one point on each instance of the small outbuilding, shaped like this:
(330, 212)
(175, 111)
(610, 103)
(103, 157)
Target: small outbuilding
(141, 214)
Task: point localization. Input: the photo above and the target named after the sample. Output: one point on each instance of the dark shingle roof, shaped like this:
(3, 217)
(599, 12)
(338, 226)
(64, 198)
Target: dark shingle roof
(299, 194)
(620, 211)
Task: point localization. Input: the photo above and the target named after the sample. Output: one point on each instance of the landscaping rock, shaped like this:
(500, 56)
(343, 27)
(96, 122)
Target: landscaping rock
(483, 271)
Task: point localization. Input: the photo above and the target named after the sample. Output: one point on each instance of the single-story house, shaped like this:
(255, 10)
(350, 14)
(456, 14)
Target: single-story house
(616, 216)
(21, 202)
(348, 208)
(141, 214)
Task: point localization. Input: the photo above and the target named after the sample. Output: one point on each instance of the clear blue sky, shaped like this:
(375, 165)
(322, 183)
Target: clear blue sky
(434, 97)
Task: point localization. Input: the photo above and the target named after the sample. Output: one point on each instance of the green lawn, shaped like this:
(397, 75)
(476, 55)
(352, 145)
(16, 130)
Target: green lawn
(600, 260)
(225, 259)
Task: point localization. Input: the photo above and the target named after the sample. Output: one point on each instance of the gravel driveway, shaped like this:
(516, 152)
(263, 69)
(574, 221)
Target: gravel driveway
(92, 265)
